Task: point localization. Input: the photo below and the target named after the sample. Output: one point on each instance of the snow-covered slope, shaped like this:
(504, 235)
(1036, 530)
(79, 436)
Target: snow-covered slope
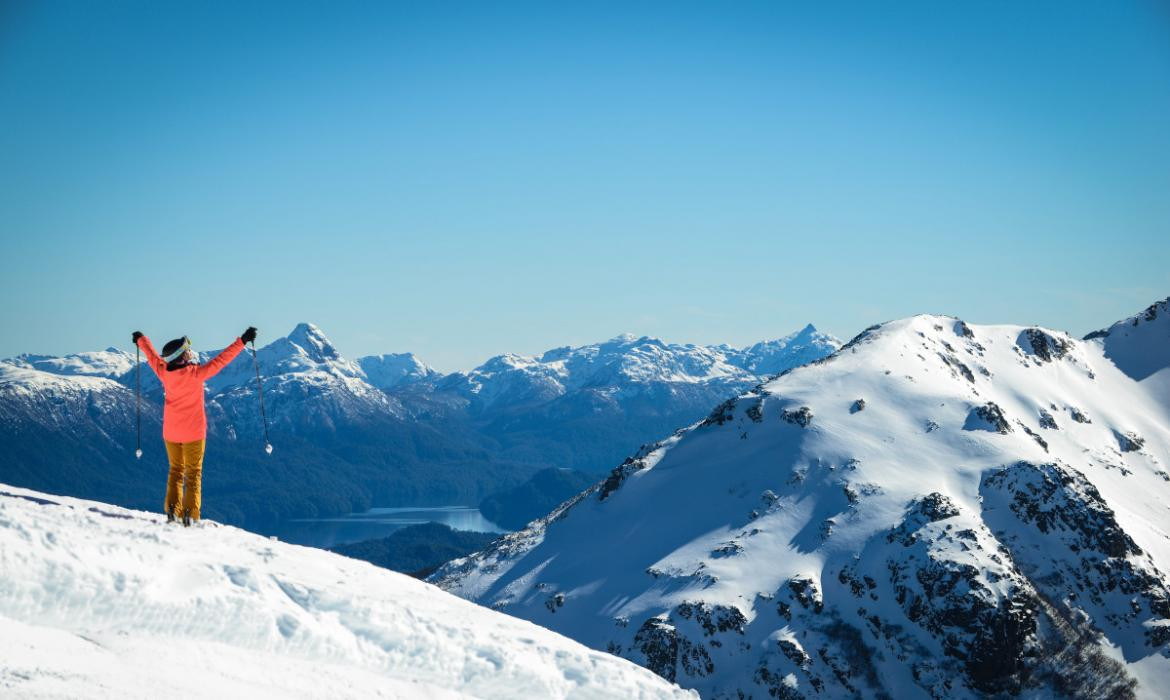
(937, 510)
(97, 601)
(1140, 347)
(393, 370)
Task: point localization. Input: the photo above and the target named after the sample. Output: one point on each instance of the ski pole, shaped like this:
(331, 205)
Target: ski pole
(260, 390)
(138, 400)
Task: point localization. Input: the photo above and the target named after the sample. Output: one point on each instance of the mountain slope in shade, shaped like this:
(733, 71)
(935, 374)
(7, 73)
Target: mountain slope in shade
(937, 510)
(101, 602)
(1140, 347)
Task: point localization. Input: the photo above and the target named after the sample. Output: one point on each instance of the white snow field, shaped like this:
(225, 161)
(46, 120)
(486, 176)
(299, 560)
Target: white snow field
(937, 510)
(98, 601)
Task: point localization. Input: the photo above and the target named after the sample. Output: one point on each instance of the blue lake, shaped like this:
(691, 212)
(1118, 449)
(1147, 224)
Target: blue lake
(380, 522)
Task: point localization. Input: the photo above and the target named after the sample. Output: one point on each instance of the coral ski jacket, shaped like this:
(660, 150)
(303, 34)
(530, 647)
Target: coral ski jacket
(183, 417)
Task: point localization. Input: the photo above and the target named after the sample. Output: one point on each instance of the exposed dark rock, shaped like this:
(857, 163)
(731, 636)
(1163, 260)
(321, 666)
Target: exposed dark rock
(801, 416)
(658, 641)
(723, 413)
(756, 411)
(618, 476)
(1034, 435)
(1078, 415)
(858, 406)
(712, 618)
(1054, 497)
(1129, 441)
(1043, 345)
(1047, 421)
(988, 414)
(668, 651)
(988, 630)
(1080, 553)
(727, 549)
(958, 367)
(805, 591)
(774, 682)
(928, 509)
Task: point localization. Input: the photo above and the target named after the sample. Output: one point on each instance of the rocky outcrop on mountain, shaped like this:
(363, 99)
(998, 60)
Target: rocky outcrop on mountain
(988, 417)
(1066, 538)
(1045, 346)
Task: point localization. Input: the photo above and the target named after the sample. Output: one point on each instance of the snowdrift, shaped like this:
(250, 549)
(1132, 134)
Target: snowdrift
(98, 601)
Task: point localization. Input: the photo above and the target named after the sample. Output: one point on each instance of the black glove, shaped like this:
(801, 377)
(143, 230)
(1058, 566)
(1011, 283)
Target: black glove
(136, 336)
(249, 335)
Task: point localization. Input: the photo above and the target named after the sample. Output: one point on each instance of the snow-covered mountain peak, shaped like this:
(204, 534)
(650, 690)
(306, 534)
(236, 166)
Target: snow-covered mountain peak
(313, 343)
(102, 601)
(392, 370)
(306, 348)
(774, 356)
(932, 510)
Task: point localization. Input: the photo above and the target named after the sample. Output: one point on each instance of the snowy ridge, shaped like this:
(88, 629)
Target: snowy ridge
(395, 369)
(99, 601)
(627, 362)
(110, 363)
(937, 510)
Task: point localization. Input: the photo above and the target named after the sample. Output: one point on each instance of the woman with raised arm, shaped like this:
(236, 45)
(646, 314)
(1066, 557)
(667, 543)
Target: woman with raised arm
(184, 422)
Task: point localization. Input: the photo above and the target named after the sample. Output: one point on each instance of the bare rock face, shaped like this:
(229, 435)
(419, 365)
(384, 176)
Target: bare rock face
(675, 646)
(1066, 539)
(801, 416)
(1129, 441)
(988, 417)
(944, 570)
(1044, 346)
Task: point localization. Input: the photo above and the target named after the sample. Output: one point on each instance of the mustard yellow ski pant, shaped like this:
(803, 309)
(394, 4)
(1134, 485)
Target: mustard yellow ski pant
(184, 482)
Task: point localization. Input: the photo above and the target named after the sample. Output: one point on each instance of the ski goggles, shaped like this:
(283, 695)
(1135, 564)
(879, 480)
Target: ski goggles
(182, 349)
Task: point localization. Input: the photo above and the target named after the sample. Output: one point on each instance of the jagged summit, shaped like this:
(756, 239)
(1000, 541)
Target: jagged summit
(937, 509)
(101, 601)
(313, 342)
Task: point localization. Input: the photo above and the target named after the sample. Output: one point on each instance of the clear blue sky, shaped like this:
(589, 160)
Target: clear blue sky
(460, 180)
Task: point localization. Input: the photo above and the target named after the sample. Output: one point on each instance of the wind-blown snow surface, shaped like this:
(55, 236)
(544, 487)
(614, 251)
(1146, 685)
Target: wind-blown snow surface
(936, 510)
(98, 601)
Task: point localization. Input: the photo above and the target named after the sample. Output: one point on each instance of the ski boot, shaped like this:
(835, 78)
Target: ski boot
(186, 520)
(170, 516)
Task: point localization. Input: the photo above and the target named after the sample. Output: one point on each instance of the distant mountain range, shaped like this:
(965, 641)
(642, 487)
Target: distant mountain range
(936, 510)
(380, 430)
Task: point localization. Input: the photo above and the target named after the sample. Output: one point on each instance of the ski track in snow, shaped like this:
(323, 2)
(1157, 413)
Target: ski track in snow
(98, 601)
